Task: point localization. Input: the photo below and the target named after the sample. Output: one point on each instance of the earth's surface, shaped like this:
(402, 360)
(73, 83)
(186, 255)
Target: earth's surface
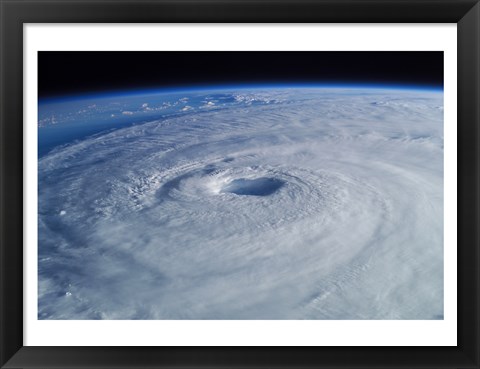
(262, 203)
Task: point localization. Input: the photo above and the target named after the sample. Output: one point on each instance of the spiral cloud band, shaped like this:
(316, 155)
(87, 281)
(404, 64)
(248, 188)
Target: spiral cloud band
(275, 203)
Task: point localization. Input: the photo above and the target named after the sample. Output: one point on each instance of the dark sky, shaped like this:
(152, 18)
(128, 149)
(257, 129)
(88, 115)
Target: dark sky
(65, 73)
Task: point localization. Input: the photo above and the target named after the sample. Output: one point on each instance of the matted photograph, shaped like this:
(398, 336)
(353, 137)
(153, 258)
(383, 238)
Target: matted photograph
(241, 185)
(252, 185)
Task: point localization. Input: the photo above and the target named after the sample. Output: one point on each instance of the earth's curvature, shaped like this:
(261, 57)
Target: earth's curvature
(261, 203)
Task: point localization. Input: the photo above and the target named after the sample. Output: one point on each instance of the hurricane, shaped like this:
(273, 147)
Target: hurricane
(250, 203)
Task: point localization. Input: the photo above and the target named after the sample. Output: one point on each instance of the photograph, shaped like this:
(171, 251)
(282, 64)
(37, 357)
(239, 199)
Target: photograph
(236, 185)
(239, 185)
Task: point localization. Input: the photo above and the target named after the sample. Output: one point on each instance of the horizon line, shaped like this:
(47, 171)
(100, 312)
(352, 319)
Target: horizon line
(240, 86)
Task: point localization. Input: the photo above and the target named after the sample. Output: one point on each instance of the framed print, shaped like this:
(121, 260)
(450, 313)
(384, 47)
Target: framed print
(225, 184)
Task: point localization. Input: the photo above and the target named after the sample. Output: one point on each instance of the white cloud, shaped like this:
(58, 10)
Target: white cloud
(355, 231)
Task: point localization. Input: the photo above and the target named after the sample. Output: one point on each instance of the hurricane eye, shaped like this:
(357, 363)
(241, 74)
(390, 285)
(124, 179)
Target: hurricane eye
(254, 187)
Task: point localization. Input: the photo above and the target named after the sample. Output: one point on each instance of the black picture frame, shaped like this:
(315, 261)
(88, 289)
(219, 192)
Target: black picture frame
(15, 13)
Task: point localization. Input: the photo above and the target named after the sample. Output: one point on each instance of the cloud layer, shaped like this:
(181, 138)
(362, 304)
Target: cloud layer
(274, 204)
